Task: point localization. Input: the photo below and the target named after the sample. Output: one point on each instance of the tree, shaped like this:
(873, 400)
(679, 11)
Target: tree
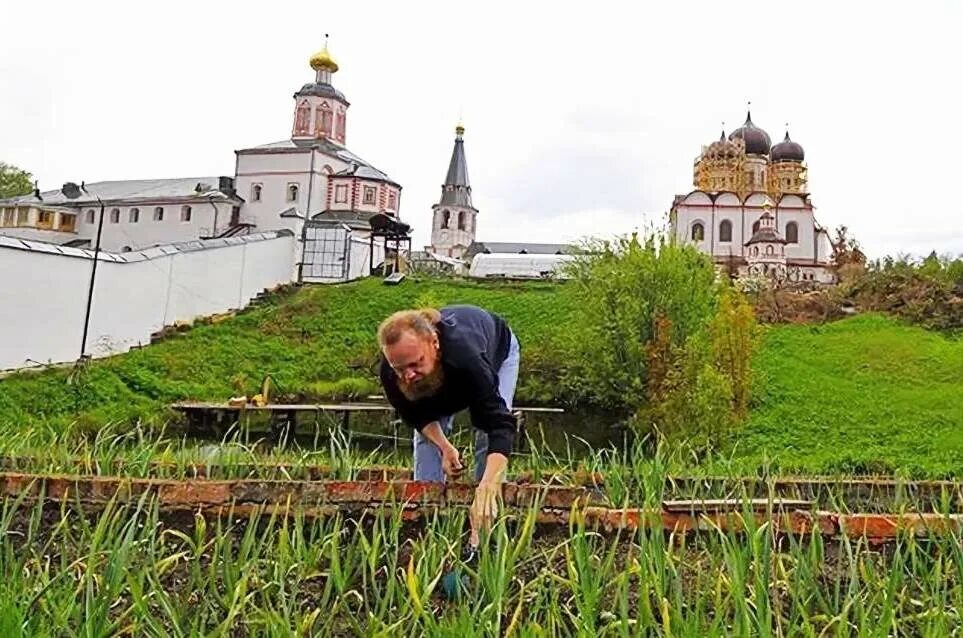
(14, 181)
(846, 250)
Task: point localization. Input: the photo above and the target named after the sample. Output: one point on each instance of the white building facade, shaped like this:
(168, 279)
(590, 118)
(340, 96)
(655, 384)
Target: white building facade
(741, 179)
(311, 175)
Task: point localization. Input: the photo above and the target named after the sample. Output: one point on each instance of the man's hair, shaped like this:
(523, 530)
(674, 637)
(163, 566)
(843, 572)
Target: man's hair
(421, 322)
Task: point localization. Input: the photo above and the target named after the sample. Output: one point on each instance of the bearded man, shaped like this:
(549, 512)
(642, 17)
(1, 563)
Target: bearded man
(439, 362)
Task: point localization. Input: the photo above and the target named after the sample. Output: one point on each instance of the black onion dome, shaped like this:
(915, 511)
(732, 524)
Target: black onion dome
(788, 151)
(757, 140)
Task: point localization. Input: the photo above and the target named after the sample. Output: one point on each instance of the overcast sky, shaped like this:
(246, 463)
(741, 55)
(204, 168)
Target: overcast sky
(581, 118)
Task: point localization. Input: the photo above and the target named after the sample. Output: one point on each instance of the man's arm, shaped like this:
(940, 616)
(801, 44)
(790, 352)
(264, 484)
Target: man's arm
(490, 413)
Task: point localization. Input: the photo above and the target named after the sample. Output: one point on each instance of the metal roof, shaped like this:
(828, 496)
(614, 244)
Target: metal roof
(367, 170)
(128, 190)
(456, 190)
(139, 255)
(521, 248)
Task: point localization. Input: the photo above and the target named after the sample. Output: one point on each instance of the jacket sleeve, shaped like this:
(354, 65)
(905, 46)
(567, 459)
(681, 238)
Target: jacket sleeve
(488, 410)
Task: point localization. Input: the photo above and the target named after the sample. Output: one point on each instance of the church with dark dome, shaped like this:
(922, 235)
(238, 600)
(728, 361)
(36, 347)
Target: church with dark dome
(751, 209)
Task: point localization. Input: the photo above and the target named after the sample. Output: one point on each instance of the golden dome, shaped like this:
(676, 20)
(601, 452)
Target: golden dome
(323, 60)
(460, 129)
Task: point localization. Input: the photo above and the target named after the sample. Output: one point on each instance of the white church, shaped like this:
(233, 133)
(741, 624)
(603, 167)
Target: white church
(309, 184)
(751, 209)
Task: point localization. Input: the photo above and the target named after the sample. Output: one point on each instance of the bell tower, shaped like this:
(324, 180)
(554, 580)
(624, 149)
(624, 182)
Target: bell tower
(454, 216)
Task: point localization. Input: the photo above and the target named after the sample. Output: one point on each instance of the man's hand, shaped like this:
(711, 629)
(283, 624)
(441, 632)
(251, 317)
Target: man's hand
(451, 461)
(484, 508)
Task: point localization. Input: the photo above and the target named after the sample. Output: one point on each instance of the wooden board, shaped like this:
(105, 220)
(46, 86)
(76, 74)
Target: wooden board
(314, 407)
(733, 504)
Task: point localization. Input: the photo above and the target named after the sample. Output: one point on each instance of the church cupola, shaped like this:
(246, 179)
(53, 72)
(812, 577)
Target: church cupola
(787, 151)
(320, 110)
(454, 216)
(756, 139)
(787, 170)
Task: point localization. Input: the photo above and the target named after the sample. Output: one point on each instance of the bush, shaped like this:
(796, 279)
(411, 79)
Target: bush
(928, 293)
(621, 288)
(658, 334)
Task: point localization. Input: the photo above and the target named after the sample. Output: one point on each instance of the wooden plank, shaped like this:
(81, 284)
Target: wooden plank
(733, 504)
(283, 407)
(186, 406)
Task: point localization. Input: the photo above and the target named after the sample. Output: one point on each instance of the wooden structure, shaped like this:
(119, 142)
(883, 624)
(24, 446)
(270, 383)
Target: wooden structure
(219, 418)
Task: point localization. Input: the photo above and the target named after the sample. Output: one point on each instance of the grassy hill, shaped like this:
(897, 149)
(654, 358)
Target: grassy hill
(864, 394)
(315, 342)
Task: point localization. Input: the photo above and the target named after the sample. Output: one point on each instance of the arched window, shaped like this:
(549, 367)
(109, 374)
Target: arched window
(445, 218)
(698, 231)
(755, 251)
(186, 213)
(326, 121)
(302, 119)
(461, 220)
(90, 216)
(792, 233)
(114, 215)
(256, 193)
(134, 216)
(322, 120)
(292, 192)
(159, 214)
(755, 227)
(725, 230)
(769, 249)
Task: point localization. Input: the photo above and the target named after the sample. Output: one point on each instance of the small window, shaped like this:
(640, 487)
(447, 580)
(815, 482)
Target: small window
(792, 233)
(186, 213)
(769, 250)
(392, 201)
(67, 222)
(725, 230)
(256, 193)
(134, 215)
(369, 195)
(445, 218)
(698, 232)
(114, 215)
(461, 220)
(341, 194)
(90, 216)
(159, 214)
(755, 251)
(292, 192)
(45, 218)
(23, 215)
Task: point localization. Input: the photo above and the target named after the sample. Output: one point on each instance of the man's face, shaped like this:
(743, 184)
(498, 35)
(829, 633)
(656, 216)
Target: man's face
(416, 362)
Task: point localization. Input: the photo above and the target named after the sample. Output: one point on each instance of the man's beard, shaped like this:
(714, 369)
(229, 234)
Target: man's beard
(426, 386)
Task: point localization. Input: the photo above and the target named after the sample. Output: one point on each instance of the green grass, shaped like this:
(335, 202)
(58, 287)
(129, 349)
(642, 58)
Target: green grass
(134, 570)
(317, 342)
(867, 394)
(864, 395)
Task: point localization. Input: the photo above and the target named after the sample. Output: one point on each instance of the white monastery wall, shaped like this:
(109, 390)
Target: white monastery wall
(136, 294)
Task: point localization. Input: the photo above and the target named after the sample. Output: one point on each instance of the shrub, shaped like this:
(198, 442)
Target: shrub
(621, 288)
